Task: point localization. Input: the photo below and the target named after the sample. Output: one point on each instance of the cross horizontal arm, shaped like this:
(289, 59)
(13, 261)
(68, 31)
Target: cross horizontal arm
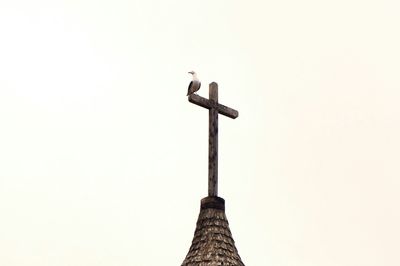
(201, 101)
(229, 112)
(206, 103)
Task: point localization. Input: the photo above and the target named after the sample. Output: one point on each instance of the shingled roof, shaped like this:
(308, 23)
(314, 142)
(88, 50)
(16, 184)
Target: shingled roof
(212, 243)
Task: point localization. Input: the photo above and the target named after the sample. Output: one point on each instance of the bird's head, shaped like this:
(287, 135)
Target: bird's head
(192, 72)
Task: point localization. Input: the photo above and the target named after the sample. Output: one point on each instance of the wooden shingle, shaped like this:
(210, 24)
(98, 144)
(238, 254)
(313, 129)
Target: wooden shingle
(212, 243)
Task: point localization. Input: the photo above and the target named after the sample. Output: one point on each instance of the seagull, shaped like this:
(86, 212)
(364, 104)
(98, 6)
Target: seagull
(194, 84)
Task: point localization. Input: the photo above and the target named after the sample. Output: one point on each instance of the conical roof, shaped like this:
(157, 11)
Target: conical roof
(212, 243)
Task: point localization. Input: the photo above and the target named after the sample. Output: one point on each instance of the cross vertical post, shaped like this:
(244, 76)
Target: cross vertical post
(215, 108)
(213, 142)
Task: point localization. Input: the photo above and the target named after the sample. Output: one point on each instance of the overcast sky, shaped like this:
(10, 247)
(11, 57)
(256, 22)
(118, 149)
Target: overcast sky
(103, 161)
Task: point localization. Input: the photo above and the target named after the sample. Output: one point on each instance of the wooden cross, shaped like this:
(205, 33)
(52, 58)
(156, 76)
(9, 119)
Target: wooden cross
(214, 109)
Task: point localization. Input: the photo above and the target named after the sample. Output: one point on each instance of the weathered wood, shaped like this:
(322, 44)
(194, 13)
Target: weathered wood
(214, 109)
(201, 101)
(213, 142)
(226, 111)
(222, 109)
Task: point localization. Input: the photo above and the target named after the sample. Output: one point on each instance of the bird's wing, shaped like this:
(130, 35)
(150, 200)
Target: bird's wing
(190, 85)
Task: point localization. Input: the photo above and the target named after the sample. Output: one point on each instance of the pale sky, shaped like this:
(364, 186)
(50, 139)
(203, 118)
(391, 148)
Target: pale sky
(103, 161)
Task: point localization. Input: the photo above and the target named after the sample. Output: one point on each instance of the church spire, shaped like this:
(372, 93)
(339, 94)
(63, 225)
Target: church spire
(212, 242)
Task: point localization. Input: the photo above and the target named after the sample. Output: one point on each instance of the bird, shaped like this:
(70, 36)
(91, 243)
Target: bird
(194, 85)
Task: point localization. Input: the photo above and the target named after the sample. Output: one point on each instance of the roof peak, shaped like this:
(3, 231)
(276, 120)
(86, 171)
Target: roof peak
(212, 243)
(213, 202)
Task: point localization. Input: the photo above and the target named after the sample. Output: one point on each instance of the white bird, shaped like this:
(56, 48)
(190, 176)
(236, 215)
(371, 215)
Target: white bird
(194, 85)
